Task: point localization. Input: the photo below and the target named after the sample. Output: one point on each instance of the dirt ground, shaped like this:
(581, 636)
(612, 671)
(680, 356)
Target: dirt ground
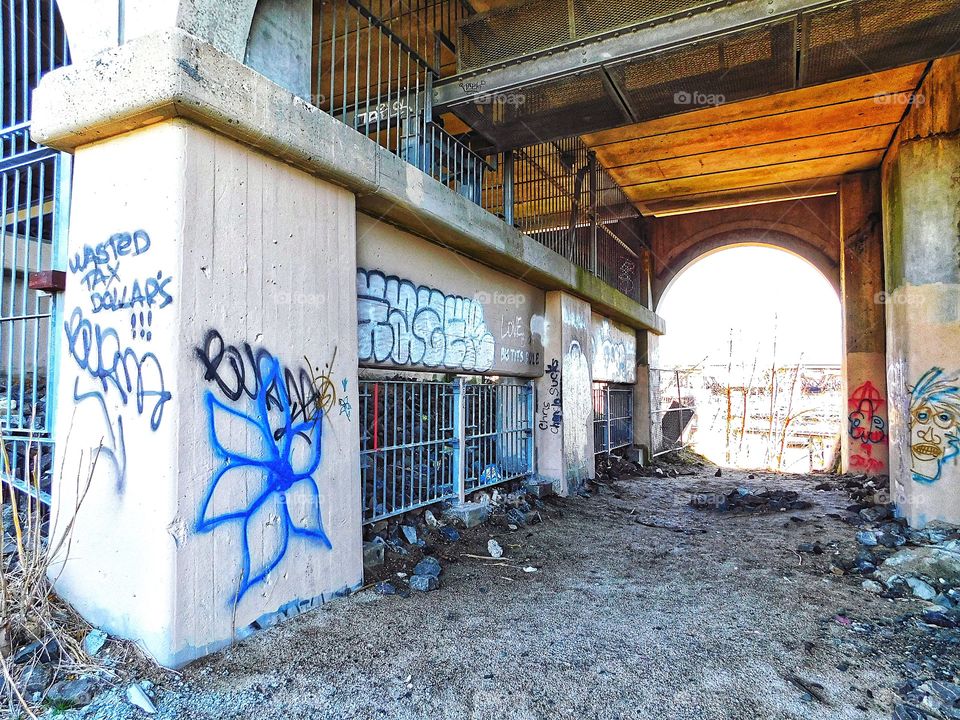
(706, 617)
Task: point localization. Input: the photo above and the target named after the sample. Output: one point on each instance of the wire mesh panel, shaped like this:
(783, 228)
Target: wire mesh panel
(612, 417)
(407, 445)
(498, 433)
(672, 408)
(32, 204)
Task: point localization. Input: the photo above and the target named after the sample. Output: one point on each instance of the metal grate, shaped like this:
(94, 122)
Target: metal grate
(722, 70)
(868, 36)
(407, 444)
(672, 407)
(34, 188)
(612, 417)
(498, 433)
(537, 25)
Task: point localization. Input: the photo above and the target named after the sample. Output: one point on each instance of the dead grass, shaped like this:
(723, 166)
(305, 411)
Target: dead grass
(29, 610)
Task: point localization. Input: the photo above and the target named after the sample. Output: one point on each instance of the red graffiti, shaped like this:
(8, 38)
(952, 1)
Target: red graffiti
(866, 423)
(866, 461)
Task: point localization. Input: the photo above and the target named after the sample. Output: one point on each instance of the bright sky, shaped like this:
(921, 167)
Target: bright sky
(753, 290)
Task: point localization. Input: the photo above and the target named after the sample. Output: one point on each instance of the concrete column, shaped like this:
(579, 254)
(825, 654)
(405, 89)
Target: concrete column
(921, 206)
(564, 444)
(864, 442)
(208, 368)
(281, 37)
(642, 398)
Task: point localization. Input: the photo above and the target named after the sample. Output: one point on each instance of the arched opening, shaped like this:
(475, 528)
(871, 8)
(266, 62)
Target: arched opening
(754, 346)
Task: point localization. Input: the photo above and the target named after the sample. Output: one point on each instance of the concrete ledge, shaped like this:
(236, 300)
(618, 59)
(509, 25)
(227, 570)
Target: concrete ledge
(174, 74)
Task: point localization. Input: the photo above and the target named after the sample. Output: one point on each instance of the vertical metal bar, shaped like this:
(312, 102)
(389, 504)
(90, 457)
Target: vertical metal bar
(508, 187)
(459, 441)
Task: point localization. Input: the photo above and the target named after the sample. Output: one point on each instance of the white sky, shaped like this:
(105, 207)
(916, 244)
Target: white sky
(752, 290)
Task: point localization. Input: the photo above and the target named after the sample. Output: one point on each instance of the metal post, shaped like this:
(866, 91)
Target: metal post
(508, 187)
(459, 441)
(592, 164)
(529, 393)
(608, 409)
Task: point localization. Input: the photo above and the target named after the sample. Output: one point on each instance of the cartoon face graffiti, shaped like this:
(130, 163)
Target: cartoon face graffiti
(934, 424)
(866, 423)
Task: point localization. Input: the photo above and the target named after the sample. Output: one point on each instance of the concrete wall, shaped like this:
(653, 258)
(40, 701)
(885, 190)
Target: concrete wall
(564, 409)
(864, 442)
(226, 491)
(614, 350)
(921, 216)
(281, 37)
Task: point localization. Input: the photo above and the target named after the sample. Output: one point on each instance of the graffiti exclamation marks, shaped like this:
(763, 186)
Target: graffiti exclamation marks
(133, 326)
(149, 325)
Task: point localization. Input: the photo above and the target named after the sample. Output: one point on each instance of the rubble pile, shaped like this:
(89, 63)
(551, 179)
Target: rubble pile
(744, 499)
(405, 553)
(897, 562)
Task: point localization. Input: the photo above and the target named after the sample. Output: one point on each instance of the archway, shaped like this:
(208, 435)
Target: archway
(755, 331)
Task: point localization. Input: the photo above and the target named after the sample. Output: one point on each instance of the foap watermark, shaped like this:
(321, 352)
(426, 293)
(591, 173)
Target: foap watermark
(885, 298)
(483, 297)
(698, 99)
(501, 99)
(899, 98)
(282, 297)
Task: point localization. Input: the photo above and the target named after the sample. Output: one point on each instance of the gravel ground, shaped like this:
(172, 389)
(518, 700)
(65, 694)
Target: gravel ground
(706, 617)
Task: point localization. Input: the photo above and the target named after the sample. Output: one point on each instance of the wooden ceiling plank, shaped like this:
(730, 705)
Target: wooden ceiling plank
(802, 123)
(903, 79)
(785, 173)
(784, 151)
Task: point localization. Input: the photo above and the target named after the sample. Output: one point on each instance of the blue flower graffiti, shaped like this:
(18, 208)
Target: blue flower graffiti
(285, 501)
(934, 424)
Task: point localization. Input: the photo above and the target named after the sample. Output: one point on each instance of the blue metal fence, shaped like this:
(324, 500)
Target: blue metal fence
(612, 417)
(422, 442)
(498, 433)
(34, 193)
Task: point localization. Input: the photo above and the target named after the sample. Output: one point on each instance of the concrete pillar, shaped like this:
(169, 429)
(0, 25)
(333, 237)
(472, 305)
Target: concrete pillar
(643, 427)
(210, 483)
(921, 206)
(281, 37)
(864, 442)
(564, 444)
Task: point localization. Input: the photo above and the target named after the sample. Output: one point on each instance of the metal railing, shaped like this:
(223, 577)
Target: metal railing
(423, 442)
(34, 193)
(373, 68)
(612, 417)
(498, 433)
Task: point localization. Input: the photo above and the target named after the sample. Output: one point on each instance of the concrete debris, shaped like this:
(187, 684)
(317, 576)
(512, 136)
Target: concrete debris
(410, 534)
(450, 533)
(429, 567)
(940, 562)
(138, 697)
(385, 588)
(921, 589)
(424, 583)
(872, 586)
(468, 514)
(493, 547)
(431, 520)
(36, 678)
(73, 693)
(94, 640)
(372, 555)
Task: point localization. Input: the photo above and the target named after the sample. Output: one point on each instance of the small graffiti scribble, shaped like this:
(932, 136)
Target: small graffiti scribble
(866, 423)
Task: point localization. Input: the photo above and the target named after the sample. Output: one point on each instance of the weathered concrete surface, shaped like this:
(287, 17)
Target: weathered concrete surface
(864, 440)
(280, 44)
(921, 217)
(655, 624)
(424, 307)
(222, 495)
(173, 74)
